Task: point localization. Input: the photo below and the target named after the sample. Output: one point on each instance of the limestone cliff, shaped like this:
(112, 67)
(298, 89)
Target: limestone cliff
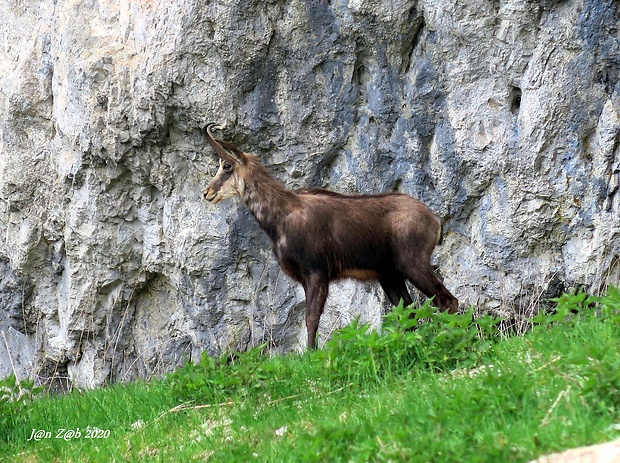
(504, 117)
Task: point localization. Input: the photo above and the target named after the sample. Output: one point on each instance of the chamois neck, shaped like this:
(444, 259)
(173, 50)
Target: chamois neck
(268, 200)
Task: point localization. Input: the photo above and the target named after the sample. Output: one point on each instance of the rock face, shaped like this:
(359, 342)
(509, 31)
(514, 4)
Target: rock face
(504, 117)
(601, 453)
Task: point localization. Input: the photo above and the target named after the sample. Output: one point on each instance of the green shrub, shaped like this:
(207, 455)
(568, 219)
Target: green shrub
(217, 379)
(368, 395)
(410, 338)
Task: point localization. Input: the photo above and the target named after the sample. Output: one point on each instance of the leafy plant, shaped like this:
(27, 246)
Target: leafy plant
(15, 395)
(609, 304)
(232, 374)
(410, 338)
(570, 306)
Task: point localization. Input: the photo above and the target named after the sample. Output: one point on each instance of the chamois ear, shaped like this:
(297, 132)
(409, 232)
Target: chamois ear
(235, 153)
(224, 150)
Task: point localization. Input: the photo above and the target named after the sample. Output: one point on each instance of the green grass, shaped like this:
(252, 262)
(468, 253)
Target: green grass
(453, 390)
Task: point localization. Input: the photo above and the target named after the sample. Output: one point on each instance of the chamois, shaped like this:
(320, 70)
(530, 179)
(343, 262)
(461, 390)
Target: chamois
(319, 235)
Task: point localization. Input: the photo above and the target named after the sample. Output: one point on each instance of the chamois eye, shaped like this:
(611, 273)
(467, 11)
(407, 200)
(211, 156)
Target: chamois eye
(228, 167)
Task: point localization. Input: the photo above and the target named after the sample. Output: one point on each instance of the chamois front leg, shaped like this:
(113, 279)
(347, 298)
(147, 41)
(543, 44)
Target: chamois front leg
(316, 287)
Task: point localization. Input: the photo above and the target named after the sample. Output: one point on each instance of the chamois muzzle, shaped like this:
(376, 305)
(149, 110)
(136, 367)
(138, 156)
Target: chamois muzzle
(211, 196)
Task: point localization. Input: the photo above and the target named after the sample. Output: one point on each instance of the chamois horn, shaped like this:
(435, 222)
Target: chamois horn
(221, 152)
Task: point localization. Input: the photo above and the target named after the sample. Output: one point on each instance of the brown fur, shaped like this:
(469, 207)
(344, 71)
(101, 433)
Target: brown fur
(319, 235)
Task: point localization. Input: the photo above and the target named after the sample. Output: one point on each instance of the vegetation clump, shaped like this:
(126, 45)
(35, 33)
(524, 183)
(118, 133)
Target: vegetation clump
(425, 387)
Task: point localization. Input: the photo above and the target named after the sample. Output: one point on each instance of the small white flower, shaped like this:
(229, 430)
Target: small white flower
(208, 428)
(281, 431)
(138, 424)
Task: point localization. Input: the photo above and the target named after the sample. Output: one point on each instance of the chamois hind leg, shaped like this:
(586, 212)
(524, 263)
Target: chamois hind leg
(396, 289)
(316, 288)
(423, 278)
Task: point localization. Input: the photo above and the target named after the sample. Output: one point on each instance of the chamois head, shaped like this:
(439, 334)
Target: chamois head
(229, 180)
